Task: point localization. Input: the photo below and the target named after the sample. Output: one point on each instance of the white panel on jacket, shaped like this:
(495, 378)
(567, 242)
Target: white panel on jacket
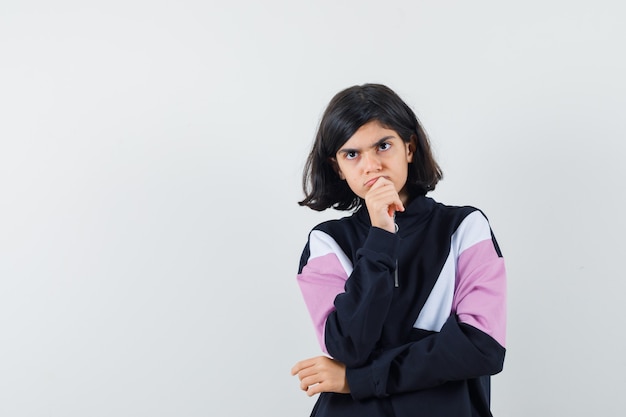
(321, 244)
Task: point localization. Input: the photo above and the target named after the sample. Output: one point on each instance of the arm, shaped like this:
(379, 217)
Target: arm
(355, 326)
(350, 330)
(458, 352)
(349, 306)
(470, 343)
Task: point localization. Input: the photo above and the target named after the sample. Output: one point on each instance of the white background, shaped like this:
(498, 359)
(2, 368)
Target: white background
(150, 162)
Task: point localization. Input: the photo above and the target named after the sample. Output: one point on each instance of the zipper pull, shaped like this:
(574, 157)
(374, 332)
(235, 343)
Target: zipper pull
(397, 284)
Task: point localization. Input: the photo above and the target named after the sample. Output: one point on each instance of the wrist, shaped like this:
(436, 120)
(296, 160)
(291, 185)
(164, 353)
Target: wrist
(387, 228)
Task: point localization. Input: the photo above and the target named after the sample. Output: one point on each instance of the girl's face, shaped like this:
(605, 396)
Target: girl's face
(373, 152)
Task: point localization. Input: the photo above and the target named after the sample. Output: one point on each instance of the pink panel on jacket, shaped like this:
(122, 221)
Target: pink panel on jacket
(321, 280)
(480, 294)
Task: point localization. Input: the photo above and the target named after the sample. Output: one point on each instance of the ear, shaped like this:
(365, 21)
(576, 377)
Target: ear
(335, 165)
(410, 148)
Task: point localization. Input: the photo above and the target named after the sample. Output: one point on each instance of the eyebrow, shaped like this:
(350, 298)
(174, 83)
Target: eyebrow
(374, 145)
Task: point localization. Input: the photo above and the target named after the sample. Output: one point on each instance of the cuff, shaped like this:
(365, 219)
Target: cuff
(365, 382)
(383, 243)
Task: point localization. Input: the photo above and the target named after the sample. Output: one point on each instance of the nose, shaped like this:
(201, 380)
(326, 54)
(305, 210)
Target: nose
(371, 163)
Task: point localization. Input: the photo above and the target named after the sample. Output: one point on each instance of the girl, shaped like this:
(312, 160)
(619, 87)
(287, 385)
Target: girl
(407, 295)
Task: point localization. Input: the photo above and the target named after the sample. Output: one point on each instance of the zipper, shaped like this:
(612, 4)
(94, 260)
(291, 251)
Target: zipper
(396, 275)
(396, 280)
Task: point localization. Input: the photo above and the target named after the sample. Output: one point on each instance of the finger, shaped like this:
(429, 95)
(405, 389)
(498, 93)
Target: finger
(383, 189)
(394, 206)
(381, 182)
(309, 382)
(385, 199)
(296, 368)
(303, 364)
(307, 372)
(314, 389)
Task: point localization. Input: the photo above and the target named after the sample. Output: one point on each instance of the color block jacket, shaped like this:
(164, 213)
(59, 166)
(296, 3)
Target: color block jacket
(417, 317)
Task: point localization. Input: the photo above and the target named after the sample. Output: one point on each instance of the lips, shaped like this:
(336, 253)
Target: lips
(371, 182)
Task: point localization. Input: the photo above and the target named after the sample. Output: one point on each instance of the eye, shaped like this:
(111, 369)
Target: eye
(384, 146)
(351, 154)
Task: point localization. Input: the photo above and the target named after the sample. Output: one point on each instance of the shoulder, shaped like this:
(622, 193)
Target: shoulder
(444, 219)
(328, 239)
(462, 214)
(467, 221)
(337, 228)
(466, 214)
(472, 227)
(455, 211)
(340, 235)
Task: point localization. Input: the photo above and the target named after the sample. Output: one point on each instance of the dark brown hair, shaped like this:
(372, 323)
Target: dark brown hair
(345, 114)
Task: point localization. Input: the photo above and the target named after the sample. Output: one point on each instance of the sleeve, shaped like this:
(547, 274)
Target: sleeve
(471, 342)
(349, 303)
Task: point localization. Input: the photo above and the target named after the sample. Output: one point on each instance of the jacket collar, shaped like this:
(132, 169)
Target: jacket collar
(416, 213)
